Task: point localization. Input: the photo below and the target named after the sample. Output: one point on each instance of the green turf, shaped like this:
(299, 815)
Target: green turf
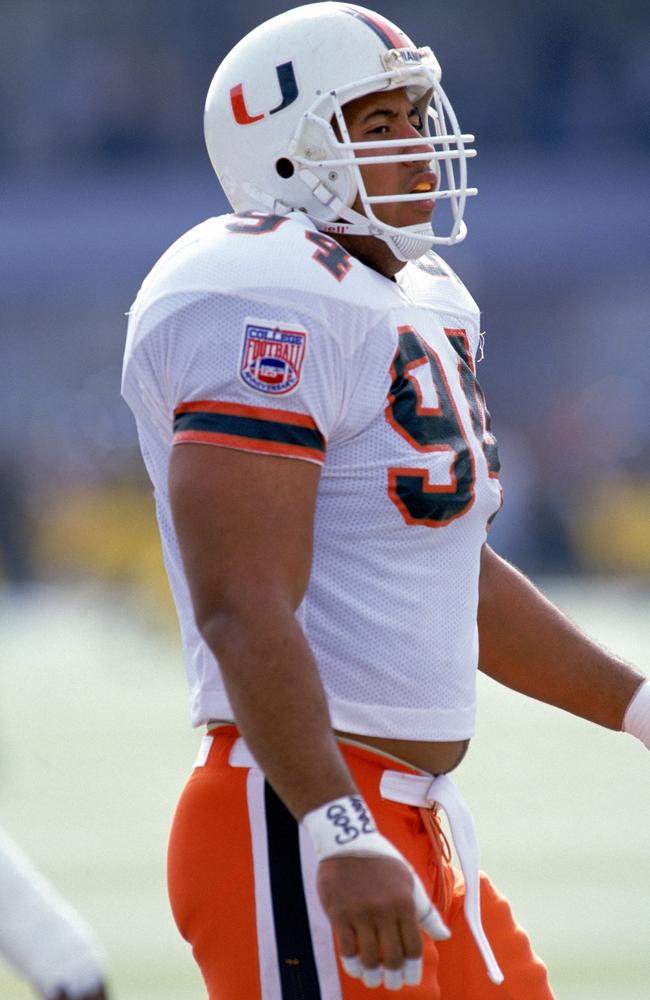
(95, 745)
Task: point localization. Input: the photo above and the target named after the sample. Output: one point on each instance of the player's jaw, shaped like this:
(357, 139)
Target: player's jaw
(401, 179)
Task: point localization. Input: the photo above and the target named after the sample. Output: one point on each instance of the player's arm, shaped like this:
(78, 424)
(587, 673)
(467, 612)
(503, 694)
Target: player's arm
(244, 524)
(527, 644)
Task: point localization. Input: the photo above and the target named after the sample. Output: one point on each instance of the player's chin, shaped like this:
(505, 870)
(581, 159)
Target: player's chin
(417, 213)
(425, 208)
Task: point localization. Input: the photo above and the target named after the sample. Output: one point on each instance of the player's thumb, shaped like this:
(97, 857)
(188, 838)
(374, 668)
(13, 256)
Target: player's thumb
(428, 917)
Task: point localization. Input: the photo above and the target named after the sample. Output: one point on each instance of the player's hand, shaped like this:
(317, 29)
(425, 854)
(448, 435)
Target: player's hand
(375, 901)
(377, 907)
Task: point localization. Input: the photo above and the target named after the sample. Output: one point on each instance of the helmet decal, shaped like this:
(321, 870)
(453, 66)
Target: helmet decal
(288, 90)
(384, 29)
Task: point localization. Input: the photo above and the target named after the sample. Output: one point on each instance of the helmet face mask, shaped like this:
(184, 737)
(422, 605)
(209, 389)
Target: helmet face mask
(318, 55)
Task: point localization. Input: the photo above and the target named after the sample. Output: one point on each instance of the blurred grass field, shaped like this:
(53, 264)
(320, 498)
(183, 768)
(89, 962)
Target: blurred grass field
(95, 745)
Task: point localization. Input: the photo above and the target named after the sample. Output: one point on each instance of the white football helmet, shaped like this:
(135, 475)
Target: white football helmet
(269, 115)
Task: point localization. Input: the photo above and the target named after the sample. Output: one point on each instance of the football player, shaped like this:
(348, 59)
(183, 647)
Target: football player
(303, 377)
(42, 937)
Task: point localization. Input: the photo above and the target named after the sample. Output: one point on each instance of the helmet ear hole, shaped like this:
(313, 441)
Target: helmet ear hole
(285, 167)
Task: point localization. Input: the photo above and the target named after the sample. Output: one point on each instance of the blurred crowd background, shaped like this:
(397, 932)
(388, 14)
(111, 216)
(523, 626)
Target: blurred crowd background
(102, 165)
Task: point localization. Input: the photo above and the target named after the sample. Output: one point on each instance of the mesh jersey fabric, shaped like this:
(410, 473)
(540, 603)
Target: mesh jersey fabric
(379, 387)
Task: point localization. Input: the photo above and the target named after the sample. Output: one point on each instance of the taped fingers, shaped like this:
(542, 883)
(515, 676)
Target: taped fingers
(372, 977)
(412, 943)
(394, 978)
(393, 952)
(352, 965)
(409, 974)
(412, 971)
(428, 917)
(387, 953)
(368, 947)
(347, 942)
(397, 964)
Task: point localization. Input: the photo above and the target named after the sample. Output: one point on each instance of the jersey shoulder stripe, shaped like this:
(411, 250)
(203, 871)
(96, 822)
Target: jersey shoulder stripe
(250, 428)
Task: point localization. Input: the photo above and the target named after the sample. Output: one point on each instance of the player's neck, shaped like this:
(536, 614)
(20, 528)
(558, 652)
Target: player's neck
(373, 253)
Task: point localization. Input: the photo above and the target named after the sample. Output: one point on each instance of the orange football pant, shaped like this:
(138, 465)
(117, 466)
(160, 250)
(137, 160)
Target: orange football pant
(241, 876)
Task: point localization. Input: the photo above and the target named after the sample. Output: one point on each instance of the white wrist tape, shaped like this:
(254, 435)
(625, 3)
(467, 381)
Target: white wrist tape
(636, 720)
(345, 828)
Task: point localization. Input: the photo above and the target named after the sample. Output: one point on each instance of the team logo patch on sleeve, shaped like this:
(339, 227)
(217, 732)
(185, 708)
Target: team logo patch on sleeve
(272, 356)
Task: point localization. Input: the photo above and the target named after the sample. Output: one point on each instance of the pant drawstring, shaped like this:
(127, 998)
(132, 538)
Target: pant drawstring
(441, 853)
(424, 792)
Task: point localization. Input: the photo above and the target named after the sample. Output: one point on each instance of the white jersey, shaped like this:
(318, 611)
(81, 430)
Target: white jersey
(257, 332)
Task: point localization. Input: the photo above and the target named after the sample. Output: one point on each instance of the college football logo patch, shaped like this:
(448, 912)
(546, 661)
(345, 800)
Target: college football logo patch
(272, 356)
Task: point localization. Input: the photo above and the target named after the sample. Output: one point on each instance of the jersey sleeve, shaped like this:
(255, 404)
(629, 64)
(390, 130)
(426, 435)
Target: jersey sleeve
(232, 371)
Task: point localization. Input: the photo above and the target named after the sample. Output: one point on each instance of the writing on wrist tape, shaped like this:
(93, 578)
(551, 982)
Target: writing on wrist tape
(345, 826)
(637, 715)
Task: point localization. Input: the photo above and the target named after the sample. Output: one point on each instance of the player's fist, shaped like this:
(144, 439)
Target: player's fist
(377, 907)
(375, 901)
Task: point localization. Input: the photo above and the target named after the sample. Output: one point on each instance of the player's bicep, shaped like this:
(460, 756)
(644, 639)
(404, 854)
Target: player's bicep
(244, 523)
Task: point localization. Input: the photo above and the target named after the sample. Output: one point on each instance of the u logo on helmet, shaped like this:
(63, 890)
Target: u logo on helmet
(288, 91)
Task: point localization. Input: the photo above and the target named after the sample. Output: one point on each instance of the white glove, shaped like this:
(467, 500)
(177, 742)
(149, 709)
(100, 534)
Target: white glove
(637, 715)
(41, 936)
(345, 828)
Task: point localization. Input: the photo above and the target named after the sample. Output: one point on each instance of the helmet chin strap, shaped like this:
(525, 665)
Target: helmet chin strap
(265, 202)
(409, 244)
(406, 246)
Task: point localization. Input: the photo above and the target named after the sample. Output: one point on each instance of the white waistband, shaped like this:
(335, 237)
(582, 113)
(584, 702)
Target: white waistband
(422, 791)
